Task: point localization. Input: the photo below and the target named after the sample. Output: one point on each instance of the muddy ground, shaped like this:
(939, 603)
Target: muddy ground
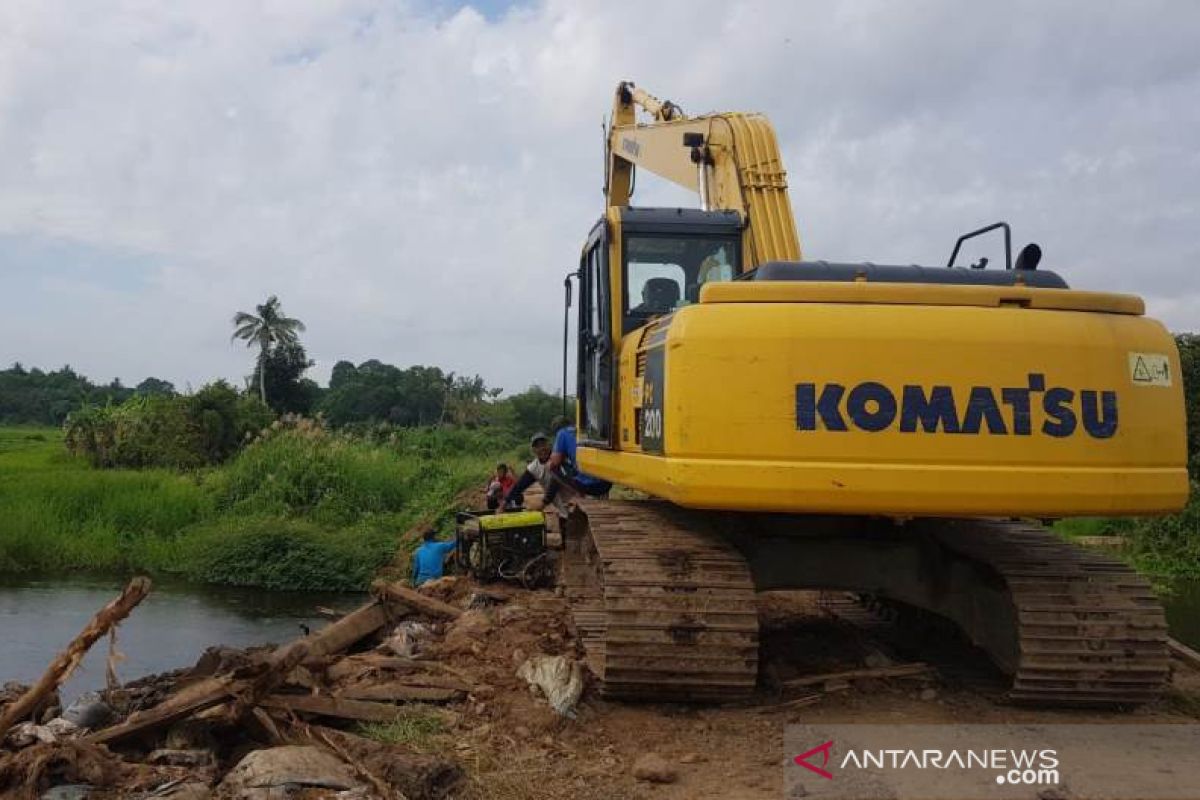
(500, 739)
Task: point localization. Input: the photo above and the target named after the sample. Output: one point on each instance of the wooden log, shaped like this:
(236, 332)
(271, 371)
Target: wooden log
(247, 690)
(267, 723)
(397, 594)
(66, 662)
(415, 774)
(382, 788)
(357, 625)
(898, 671)
(435, 682)
(401, 693)
(187, 701)
(324, 706)
(415, 672)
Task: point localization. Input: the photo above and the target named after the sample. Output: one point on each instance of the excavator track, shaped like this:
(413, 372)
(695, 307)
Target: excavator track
(665, 613)
(665, 607)
(1090, 631)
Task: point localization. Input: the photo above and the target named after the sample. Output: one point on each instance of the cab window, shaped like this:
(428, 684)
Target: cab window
(664, 273)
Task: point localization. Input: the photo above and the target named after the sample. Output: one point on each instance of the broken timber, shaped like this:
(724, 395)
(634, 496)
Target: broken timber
(66, 661)
(900, 671)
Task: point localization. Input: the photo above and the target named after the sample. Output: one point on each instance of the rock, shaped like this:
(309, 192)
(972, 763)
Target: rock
(73, 791)
(928, 694)
(518, 656)
(182, 758)
(295, 765)
(88, 711)
(692, 758)
(653, 768)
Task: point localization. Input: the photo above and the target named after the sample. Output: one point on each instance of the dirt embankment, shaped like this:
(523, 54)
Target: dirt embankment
(430, 698)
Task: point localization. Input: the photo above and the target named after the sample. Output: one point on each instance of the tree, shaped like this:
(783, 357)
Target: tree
(156, 386)
(289, 390)
(534, 408)
(267, 328)
(343, 373)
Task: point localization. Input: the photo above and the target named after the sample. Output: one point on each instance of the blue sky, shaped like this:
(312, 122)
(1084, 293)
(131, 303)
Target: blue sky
(413, 178)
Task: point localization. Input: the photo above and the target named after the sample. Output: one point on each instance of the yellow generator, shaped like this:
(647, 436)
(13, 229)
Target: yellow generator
(889, 430)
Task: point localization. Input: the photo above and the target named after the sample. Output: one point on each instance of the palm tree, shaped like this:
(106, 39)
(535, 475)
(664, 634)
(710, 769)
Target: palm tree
(267, 328)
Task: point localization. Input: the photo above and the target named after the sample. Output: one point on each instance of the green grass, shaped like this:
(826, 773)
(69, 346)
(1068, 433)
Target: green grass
(300, 509)
(417, 728)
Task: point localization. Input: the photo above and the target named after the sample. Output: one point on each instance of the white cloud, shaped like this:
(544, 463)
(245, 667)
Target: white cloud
(414, 183)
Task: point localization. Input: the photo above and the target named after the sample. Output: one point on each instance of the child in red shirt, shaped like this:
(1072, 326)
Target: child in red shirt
(501, 481)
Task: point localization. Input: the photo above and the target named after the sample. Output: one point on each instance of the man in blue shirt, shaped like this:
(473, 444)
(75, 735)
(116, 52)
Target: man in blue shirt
(562, 462)
(429, 559)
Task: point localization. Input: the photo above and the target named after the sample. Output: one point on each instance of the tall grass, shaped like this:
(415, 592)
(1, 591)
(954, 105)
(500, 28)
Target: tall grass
(299, 508)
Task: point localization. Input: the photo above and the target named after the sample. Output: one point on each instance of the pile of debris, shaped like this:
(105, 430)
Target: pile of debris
(279, 722)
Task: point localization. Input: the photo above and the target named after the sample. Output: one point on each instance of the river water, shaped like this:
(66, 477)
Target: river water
(170, 629)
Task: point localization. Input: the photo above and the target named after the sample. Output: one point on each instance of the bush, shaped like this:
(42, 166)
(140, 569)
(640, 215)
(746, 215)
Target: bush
(285, 554)
(179, 432)
(297, 468)
(299, 507)
(1169, 546)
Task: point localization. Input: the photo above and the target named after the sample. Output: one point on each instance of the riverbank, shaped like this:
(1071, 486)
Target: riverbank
(433, 699)
(301, 508)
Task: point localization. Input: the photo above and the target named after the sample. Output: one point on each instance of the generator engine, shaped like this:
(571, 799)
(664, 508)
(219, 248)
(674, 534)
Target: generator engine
(510, 546)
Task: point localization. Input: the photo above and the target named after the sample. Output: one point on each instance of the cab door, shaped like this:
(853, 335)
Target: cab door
(595, 343)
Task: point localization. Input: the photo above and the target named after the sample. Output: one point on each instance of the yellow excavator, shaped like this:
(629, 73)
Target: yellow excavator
(899, 432)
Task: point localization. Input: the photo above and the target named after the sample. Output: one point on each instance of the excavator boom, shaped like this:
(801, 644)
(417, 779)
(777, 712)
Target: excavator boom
(730, 160)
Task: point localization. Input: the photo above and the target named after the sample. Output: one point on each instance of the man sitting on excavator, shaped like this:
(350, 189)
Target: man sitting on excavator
(555, 469)
(563, 466)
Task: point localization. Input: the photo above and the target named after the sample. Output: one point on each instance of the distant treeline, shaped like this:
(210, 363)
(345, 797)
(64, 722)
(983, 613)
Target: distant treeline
(33, 397)
(153, 425)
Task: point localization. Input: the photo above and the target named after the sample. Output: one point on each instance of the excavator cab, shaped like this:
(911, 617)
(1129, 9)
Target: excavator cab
(663, 257)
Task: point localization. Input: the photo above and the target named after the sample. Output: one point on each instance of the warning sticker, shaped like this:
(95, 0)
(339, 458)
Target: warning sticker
(1149, 369)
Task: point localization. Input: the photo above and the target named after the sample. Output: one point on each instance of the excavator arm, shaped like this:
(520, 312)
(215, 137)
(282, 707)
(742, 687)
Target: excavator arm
(730, 159)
